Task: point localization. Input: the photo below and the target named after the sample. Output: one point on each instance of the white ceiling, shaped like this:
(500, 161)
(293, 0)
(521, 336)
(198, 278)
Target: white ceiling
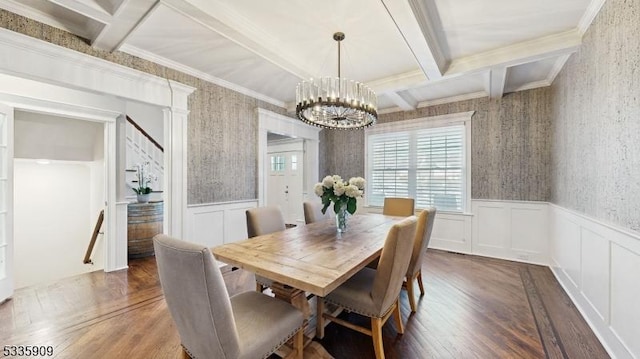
(413, 53)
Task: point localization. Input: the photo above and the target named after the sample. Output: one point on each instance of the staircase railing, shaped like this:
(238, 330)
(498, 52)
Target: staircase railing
(94, 237)
(144, 133)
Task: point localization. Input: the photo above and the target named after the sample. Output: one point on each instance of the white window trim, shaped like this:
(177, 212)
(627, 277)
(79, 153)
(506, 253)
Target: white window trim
(460, 118)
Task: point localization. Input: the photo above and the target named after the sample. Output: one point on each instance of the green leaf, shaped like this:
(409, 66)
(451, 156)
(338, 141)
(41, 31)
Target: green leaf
(326, 205)
(336, 207)
(352, 205)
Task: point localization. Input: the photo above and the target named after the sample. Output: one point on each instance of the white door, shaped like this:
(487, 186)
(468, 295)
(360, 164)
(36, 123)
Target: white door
(285, 184)
(276, 181)
(294, 187)
(6, 202)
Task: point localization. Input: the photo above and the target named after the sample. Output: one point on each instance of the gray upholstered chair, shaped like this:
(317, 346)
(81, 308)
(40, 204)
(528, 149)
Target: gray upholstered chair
(397, 206)
(212, 325)
(264, 220)
(374, 293)
(313, 212)
(421, 242)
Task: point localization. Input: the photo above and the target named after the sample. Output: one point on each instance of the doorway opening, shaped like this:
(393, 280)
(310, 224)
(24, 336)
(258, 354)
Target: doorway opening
(59, 191)
(285, 176)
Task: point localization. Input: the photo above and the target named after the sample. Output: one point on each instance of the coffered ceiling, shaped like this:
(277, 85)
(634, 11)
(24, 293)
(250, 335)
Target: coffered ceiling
(413, 53)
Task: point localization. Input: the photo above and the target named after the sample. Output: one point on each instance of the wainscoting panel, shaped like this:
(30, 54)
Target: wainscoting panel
(595, 271)
(452, 232)
(511, 230)
(566, 252)
(214, 224)
(599, 267)
(625, 294)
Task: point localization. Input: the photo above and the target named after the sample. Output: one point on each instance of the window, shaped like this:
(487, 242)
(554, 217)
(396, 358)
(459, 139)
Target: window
(277, 163)
(425, 159)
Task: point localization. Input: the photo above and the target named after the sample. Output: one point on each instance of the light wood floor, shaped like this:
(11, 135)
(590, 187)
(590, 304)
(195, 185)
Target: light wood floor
(474, 308)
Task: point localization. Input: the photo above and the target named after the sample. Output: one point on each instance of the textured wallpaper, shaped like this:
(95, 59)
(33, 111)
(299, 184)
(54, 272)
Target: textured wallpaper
(219, 168)
(595, 106)
(509, 145)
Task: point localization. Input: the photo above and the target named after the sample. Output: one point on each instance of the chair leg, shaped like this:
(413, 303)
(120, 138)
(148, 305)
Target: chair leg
(319, 317)
(398, 317)
(259, 287)
(420, 282)
(376, 334)
(410, 294)
(298, 343)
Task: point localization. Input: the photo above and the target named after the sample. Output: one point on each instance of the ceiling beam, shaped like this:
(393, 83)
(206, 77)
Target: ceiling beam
(220, 18)
(398, 82)
(84, 9)
(403, 100)
(46, 18)
(496, 79)
(523, 52)
(129, 15)
(415, 25)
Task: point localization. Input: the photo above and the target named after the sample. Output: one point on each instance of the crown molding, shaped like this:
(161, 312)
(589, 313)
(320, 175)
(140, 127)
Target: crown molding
(557, 67)
(79, 70)
(451, 99)
(390, 110)
(589, 15)
(135, 51)
(532, 85)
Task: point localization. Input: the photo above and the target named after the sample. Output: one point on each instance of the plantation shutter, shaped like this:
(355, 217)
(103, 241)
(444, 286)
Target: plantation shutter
(425, 164)
(439, 168)
(389, 167)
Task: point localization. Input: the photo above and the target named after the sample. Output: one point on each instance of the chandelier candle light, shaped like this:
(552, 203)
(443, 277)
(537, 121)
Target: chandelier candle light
(343, 195)
(335, 102)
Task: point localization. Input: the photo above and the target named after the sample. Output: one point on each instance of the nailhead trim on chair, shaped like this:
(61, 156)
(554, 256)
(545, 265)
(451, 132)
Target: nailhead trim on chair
(187, 351)
(282, 343)
(366, 314)
(264, 355)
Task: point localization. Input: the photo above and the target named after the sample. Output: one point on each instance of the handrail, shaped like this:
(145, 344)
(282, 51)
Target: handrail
(94, 237)
(144, 133)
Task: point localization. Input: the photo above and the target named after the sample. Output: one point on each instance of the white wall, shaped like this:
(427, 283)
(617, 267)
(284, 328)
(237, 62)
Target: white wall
(599, 267)
(214, 224)
(149, 117)
(512, 230)
(53, 221)
(52, 137)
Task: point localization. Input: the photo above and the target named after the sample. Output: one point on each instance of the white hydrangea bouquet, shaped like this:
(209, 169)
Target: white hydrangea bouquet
(342, 193)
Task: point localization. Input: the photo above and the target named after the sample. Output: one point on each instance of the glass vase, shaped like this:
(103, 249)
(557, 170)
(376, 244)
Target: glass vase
(341, 218)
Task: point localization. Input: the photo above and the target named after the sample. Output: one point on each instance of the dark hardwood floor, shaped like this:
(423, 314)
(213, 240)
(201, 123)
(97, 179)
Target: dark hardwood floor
(474, 308)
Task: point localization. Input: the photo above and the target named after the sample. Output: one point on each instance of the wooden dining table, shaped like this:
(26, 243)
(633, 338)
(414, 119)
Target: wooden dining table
(313, 258)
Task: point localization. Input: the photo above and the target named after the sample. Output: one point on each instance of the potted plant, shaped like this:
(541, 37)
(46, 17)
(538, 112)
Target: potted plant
(144, 178)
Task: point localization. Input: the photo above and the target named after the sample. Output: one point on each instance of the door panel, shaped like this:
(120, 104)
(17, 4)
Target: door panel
(6, 202)
(285, 184)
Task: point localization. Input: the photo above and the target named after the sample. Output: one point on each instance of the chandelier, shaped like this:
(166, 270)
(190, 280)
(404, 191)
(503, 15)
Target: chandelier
(335, 102)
